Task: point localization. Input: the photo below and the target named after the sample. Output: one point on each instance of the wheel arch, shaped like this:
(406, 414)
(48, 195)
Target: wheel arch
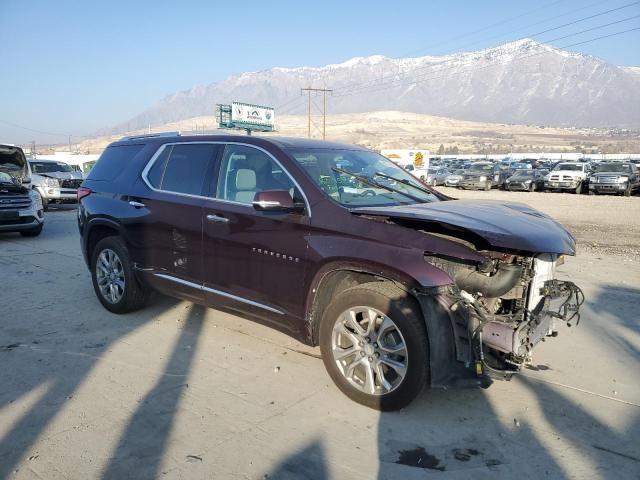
(337, 276)
(97, 229)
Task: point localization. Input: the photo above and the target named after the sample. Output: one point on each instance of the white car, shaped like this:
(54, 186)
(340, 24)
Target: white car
(567, 176)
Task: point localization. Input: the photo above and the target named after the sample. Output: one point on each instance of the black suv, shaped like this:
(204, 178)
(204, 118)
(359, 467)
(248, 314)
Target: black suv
(399, 285)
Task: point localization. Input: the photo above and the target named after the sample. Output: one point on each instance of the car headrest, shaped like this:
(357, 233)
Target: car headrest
(245, 179)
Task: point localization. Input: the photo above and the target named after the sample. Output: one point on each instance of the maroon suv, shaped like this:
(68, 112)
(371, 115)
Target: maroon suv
(399, 285)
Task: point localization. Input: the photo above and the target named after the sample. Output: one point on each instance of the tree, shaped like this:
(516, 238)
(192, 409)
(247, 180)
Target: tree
(441, 149)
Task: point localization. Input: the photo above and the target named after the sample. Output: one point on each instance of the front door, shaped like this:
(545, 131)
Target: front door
(254, 261)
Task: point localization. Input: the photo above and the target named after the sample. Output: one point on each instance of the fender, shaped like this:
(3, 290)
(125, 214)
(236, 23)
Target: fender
(404, 266)
(90, 225)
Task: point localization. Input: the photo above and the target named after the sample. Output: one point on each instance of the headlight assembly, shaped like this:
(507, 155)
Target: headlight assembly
(623, 179)
(52, 182)
(483, 178)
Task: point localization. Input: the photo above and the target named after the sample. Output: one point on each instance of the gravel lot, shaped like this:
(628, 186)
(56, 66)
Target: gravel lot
(179, 391)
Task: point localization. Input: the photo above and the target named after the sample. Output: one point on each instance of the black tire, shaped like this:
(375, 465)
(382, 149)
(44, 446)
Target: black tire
(406, 314)
(532, 187)
(579, 189)
(45, 203)
(135, 295)
(487, 186)
(32, 233)
(627, 191)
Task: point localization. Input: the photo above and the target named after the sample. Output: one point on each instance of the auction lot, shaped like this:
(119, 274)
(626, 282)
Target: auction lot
(180, 391)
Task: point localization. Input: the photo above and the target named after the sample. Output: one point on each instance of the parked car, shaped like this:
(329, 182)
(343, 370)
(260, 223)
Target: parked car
(436, 176)
(484, 175)
(526, 179)
(399, 285)
(57, 182)
(454, 177)
(622, 178)
(20, 205)
(571, 176)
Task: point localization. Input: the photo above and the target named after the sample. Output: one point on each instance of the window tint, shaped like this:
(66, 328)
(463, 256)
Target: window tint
(113, 161)
(182, 168)
(245, 171)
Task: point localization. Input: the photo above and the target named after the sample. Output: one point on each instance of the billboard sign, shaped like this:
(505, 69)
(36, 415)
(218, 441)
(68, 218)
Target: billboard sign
(246, 114)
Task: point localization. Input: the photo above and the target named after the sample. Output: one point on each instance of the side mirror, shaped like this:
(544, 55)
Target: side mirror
(275, 201)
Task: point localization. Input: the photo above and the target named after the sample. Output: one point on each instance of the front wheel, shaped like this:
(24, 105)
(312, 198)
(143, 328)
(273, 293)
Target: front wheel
(487, 186)
(627, 191)
(579, 189)
(374, 345)
(114, 281)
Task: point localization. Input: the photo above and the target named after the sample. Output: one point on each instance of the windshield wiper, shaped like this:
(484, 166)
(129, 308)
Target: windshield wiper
(372, 183)
(404, 182)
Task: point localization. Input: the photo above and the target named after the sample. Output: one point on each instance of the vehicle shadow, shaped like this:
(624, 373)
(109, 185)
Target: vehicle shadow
(56, 360)
(621, 304)
(143, 443)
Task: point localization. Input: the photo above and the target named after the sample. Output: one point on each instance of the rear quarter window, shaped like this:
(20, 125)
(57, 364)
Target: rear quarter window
(113, 161)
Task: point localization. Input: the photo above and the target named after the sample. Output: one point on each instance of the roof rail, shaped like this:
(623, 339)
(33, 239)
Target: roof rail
(150, 135)
(201, 132)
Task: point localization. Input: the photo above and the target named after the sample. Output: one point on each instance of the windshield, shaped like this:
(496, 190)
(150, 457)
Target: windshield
(323, 167)
(613, 167)
(49, 167)
(568, 167)
(481, 167)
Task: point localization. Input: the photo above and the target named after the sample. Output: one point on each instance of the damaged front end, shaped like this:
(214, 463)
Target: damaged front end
(501, 309)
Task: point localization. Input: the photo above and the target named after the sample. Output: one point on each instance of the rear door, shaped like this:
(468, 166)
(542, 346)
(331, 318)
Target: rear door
(169, 229)
(254, 261)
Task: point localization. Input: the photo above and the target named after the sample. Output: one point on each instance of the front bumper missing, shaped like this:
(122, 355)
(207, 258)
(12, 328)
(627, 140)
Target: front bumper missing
(561, 301)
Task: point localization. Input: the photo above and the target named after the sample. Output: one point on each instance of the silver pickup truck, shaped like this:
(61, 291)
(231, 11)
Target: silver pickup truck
(20, 206)
(55, 181)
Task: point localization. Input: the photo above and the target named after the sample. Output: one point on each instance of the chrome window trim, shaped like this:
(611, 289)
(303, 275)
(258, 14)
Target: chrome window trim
(217, 292)
(155, 156)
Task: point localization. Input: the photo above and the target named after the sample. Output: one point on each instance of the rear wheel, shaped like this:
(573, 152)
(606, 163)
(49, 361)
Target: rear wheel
(374, 345)
(114, 281)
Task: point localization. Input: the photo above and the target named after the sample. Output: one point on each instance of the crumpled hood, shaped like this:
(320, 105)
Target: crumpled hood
(508, 225)
(13, 162)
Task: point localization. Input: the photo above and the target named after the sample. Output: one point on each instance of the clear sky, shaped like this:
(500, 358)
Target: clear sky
(71, 67)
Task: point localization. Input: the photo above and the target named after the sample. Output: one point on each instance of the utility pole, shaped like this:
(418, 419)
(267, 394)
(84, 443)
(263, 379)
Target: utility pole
(324, 108)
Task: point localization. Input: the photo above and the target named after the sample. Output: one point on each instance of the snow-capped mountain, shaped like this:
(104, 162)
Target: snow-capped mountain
(520, 82)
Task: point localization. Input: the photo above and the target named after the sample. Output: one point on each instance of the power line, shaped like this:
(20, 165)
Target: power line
(600, 38)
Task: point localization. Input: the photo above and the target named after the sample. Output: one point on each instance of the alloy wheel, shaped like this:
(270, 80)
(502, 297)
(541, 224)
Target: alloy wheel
(369, 350)
(110, 276)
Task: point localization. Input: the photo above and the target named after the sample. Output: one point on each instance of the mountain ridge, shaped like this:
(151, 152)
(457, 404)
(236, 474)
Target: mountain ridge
(519, 82)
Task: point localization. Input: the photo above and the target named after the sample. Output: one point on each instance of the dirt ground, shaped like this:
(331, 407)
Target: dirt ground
(180, 391)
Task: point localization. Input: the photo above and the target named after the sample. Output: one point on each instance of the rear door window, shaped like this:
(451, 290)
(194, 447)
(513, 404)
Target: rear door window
(183, 168)
(113, 161)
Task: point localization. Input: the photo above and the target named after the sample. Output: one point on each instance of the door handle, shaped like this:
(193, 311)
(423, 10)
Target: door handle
(133, 203)
(217, 218)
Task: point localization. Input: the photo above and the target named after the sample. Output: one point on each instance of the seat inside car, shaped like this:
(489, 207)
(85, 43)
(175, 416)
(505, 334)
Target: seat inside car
(245, 185)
